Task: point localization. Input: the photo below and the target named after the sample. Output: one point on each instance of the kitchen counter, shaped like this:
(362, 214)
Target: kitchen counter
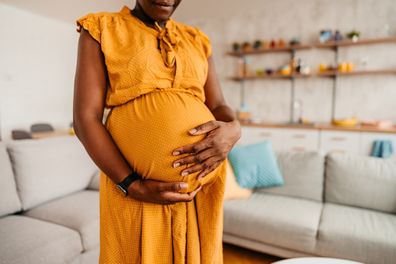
(320, 126)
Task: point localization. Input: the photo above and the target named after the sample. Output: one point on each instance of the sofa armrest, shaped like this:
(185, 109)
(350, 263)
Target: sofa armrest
(94, 184)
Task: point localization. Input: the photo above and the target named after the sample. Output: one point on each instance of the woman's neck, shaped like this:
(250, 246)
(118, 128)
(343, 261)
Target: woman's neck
(146, 19)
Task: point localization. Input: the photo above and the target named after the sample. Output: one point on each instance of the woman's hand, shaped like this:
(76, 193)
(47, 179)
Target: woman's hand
(208, 153)
(160, 192)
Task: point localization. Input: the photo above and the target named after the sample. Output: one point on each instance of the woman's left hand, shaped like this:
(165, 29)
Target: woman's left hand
(207, 154)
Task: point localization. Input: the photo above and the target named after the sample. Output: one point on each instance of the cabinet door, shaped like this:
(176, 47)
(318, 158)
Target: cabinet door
(300, 140)
(335, 141)
(368, 139)
(251, 135)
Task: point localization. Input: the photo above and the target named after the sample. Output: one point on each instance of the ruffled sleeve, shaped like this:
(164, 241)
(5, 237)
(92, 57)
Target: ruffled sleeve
(206, 45)
(91, 23)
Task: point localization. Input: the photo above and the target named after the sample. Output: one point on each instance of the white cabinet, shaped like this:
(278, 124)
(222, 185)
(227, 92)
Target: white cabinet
(282, 139)
(251, 135)
(320, 140)
(367, 140)
(300, 140)
(339, 141)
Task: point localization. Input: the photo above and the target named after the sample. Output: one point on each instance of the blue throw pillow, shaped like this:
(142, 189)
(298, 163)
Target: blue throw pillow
(255, 165)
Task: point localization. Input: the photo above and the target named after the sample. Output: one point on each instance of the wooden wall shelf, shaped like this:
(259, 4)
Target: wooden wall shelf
(346, 43)
(326, 45)
(273, 76)
(357, 73)
(269, 50)
(323, 74)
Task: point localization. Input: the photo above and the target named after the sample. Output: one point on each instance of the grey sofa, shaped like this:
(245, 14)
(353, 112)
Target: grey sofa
(339, 206)
(49, 203)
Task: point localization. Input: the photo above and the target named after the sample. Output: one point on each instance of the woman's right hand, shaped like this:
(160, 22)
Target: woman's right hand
(160, 192)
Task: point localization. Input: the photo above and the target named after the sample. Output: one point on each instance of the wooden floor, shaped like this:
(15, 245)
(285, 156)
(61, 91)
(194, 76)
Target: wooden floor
(237, 255)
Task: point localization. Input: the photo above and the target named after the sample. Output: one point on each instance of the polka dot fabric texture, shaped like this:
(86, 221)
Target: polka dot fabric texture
(156, 94)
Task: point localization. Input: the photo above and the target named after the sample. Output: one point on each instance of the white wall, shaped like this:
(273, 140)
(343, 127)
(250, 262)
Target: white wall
(240, 20)
(39, 42)
(37, 67)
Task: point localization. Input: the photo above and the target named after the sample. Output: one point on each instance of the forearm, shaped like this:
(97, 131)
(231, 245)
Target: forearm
(224, 113)
(101, 148)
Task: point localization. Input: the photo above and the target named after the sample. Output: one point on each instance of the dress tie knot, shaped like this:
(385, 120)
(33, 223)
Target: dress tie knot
(168, 42)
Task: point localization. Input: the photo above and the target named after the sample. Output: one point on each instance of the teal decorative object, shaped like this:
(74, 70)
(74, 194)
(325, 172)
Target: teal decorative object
(382, 149)
(255, 165)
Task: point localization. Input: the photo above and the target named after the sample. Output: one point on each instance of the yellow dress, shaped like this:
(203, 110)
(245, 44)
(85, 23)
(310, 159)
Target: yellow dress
(156, 79)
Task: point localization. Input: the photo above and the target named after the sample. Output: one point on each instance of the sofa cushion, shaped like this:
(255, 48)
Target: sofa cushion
(79, 211)
(358, 234)
(95, 182)
(27, 240)
(8, 193)
(88, 257)
(361, 181)
(287, 222)
(303, 173)
(49, 168)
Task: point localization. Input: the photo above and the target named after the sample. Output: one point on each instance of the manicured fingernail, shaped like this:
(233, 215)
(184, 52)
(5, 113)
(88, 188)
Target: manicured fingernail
(175, 153)
(184, 185)
(184, 173)
(193, 131)
(176, 165)
(199, 178)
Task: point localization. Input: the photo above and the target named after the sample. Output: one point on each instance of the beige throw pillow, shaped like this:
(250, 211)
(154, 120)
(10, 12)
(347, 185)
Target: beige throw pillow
(232, 189)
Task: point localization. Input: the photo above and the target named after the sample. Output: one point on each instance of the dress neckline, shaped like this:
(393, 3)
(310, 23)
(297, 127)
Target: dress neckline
(127, 13)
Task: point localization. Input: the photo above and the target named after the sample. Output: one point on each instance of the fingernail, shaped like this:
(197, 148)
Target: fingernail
(175, 153)
(193, 131)
(184, 173)
(184, 185)
(176, 165)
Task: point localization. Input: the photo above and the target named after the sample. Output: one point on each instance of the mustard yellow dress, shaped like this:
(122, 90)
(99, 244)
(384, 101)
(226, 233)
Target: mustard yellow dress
(156, 79)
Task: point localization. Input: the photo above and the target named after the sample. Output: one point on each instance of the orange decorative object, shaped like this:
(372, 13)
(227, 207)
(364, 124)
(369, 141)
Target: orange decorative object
(285, 70)
(350, 66)
(343, 67)
(322, 67)
(281, 43)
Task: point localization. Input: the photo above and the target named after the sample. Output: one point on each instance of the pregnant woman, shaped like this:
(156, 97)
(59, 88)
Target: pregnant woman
(163, 148)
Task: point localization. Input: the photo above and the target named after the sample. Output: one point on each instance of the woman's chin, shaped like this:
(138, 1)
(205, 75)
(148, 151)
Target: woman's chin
(160, 13)
(161, 16)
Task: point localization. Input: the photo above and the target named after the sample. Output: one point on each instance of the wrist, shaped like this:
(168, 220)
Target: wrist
(236, 127)
(124, 185)
(135, 190)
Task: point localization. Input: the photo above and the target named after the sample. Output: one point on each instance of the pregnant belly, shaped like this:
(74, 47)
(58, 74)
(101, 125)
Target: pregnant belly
(149, 128)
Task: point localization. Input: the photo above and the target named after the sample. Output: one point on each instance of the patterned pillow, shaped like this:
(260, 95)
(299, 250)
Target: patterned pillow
(255, 165)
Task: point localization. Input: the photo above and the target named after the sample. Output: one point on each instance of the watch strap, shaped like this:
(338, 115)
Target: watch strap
(127, 181)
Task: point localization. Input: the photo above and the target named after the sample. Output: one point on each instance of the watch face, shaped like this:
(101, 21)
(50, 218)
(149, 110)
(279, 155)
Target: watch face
(122, 189)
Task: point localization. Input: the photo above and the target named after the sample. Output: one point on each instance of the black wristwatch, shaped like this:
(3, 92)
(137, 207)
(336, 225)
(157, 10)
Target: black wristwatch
(123, 186)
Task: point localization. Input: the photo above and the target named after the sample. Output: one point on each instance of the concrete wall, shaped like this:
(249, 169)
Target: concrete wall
(38, 52)
(365, 97)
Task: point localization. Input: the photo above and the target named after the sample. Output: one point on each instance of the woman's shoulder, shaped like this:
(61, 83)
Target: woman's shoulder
(106, 18)
(189, 29)
(198, 35)
(97, 22)
(100, 17)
